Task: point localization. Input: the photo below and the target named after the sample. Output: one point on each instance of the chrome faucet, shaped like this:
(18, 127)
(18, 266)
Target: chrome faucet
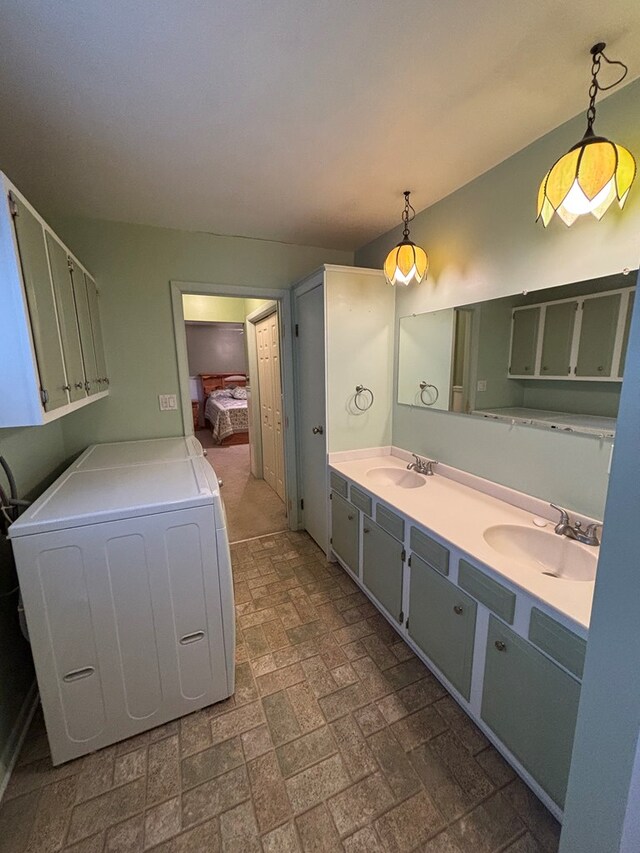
(563, 528)
(422, 466)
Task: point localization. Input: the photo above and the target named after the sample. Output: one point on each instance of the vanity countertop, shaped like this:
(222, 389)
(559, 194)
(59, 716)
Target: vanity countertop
(460, 514)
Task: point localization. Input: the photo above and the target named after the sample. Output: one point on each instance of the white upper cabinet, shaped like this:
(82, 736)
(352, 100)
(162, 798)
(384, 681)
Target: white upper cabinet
(50, 338)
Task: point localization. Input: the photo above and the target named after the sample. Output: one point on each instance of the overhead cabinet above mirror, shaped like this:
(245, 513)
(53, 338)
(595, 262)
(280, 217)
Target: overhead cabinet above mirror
(50, 337)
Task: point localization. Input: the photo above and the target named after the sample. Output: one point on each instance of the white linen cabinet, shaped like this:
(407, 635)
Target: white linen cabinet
(51, 347)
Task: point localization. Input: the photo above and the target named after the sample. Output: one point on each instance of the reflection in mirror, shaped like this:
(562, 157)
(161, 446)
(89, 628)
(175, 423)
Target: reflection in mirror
(551, 359)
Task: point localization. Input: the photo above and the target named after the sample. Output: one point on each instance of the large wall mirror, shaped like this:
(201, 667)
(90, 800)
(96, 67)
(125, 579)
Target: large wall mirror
(551, 359)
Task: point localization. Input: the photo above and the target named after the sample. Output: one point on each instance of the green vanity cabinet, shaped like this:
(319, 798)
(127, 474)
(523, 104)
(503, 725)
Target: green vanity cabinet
(625, 335)
(598, 335)
(42, 309)
(442, 621)
(531, 704)
(345, 531)
(382, 567)
(557, 338)
(524, 341)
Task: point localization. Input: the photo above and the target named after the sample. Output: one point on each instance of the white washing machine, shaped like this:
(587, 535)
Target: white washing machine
(125, 575)
(141, 452)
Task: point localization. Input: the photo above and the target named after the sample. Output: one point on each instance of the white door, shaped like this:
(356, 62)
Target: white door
(274, 343)
(265, 380)
(311, 411)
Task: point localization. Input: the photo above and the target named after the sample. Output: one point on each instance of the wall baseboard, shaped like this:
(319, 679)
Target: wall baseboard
(16, 739)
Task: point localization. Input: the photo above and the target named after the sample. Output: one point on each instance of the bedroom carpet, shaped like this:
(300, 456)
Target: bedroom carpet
(253, 508)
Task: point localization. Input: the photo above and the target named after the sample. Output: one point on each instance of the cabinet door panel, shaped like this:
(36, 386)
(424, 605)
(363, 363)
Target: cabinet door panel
(42, 308)
(345, 532)
(531, 704)
(557, 339)
(524, 341)
(86, 333)
(625, 337)
(96, 329)
(70, 334)
(442, 621)
(382, 567)
(598, 335)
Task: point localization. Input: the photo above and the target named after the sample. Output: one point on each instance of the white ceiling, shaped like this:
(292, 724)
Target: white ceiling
(292, 120)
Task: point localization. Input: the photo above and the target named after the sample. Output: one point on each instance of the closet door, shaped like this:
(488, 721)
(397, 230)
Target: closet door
(69, 332)
(265, 378)
(86, 333)
(274, 343)
(42, 308)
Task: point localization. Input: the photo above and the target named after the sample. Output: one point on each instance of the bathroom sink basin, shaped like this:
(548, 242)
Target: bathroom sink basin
(544, 551)
(398, 477)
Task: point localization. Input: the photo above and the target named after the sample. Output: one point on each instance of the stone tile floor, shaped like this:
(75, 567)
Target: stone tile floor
(337, 739)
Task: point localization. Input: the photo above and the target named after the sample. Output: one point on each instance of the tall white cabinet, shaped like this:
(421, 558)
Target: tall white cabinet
(51, 347)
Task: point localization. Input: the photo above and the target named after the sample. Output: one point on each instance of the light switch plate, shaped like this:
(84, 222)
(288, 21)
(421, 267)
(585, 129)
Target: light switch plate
(168, 402)
(482, 385)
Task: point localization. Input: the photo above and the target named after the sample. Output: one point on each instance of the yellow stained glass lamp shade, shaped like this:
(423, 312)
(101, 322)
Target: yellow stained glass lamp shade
(587, 179)
(406, 263)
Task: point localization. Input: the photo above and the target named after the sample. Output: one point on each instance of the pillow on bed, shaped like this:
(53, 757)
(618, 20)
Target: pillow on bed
(239, 393)
(221, 392)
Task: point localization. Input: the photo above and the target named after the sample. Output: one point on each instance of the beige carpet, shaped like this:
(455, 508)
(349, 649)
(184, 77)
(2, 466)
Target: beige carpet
(253, 508)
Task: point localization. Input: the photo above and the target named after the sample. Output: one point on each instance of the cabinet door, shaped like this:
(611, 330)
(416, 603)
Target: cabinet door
(557, 338)
(345, 533)
(86, 333)
(598, 335)
(531, 704)
(442, 621)
(96, 330)
(524, 341)
(625, 336)
(42, 308)
(382, 567)
(68, 320)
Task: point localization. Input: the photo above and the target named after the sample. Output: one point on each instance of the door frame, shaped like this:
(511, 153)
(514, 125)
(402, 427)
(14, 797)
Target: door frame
(282, 298)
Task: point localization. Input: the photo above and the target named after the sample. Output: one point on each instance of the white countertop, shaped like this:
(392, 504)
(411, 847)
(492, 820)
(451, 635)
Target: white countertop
(460, 515)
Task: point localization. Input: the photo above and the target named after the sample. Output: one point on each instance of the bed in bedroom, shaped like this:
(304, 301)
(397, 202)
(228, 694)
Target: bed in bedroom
(225, 410)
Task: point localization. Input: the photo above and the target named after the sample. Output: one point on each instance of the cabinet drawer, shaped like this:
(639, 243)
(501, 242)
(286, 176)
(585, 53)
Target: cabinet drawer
(487, 590)
(390, 522)
(531, 705)
(557, 641)
(339, 484)
(433, 552)
(360, 500)
(442, 621)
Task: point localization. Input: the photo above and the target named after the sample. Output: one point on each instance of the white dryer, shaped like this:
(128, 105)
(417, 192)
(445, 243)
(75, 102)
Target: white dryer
(125, 574)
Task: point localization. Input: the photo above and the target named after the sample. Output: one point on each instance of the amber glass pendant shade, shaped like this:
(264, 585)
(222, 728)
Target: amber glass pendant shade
(594, 173)
(406, 263)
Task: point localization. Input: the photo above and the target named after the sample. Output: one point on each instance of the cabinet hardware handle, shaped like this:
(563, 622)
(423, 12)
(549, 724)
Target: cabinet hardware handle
(66, 387)
(500, 646)
(600, 368)
(366, 530)
(79, 385)
(457, 609)
(191, 638)
(205, 452)
(77, 674)
(220, 481)
(350, 516)
(87, 387)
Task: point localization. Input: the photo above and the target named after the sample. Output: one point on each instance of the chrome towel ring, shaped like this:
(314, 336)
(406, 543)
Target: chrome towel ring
(363, 404)
(423, 387)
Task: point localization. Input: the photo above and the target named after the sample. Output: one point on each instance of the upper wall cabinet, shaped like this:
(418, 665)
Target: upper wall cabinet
(580, 339)
(50, 336)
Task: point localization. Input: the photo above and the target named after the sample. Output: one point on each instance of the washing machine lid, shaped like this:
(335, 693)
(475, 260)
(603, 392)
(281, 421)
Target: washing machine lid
(144, 452)
(80, 498)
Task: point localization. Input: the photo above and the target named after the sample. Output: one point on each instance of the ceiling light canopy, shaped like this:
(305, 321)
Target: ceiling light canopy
(594, 172)
(407, 262)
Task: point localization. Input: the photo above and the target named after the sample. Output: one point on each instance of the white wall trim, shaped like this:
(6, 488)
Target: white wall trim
(17, 737)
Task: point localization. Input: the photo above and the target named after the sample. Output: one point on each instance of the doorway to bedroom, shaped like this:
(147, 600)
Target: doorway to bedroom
(234, 361)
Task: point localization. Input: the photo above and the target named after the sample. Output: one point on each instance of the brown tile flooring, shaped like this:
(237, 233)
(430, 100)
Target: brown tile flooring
(337, 739)
(253, 508)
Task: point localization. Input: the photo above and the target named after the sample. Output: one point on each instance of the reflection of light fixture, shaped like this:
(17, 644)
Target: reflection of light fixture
(407, 262)
(594, 172)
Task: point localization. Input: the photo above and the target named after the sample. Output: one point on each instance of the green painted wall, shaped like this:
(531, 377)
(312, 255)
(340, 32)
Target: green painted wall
(133, 266)
(36, 455)
(483, 243)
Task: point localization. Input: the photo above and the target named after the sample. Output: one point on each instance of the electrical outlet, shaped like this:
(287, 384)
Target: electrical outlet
(168, 402)
(482, 385)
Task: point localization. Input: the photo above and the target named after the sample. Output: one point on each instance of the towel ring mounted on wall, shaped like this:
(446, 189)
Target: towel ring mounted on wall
(423, 387)
(364, 404)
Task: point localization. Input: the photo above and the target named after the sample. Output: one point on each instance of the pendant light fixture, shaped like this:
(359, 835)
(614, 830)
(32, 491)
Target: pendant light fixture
(407, 262)
(594, 172)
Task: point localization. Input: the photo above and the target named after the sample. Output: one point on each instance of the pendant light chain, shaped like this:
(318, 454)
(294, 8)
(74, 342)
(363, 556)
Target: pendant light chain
(407, 214)
(597, 51)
